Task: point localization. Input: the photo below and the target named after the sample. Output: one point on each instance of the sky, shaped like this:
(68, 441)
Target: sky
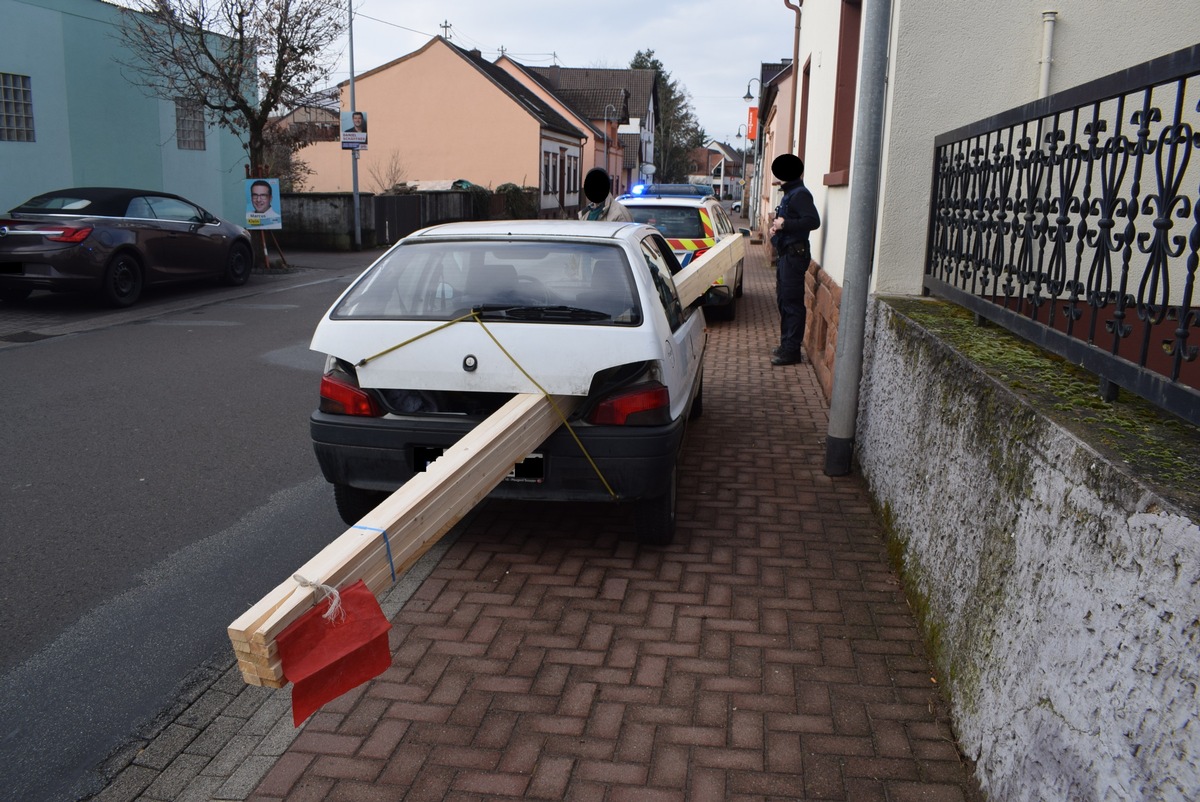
(712, 48)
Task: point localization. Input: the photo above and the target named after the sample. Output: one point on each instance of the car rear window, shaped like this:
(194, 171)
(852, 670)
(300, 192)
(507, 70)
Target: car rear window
(56, 203)
(432, 280)
(675, 222)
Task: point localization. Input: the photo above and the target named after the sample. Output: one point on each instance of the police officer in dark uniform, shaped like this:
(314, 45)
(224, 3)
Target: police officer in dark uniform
(795, 217)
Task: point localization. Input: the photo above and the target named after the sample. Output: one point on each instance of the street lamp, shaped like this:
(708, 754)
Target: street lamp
(748, 97)
(745, 158)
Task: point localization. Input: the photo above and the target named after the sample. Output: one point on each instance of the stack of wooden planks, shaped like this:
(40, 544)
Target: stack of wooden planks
(382, 546)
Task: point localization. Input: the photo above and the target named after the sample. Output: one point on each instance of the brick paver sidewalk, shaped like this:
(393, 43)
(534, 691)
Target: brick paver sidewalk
(769, 654)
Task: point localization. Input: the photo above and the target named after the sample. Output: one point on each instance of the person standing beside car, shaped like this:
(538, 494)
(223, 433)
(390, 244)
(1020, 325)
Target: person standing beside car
(795, 217)
(601, 205)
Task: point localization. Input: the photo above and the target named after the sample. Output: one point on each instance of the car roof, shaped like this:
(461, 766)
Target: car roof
(105, 201)
(504, 229)
(693, 201)
(675, 189)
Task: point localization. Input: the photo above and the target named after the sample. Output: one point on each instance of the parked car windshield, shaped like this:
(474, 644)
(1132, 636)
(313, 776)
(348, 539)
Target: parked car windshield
(445, 280)
(677, 222)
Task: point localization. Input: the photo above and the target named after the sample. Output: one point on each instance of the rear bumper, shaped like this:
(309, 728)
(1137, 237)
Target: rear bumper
(382, 454)
(69, 269)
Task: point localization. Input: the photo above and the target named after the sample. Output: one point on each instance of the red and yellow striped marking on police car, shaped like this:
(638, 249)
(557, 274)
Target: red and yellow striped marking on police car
(696, 246)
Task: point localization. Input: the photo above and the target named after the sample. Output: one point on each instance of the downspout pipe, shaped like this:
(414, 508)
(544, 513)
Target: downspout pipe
(791, 148)
(862, 223)
(1048, 20)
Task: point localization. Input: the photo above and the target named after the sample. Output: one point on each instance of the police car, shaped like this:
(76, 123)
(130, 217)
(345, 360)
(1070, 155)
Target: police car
(691, 225)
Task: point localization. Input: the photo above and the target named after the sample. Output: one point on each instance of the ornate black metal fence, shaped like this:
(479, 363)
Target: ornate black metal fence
(1074, 221)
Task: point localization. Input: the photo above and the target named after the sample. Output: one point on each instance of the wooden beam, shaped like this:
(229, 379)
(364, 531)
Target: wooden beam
(717, 262)
(389, 539)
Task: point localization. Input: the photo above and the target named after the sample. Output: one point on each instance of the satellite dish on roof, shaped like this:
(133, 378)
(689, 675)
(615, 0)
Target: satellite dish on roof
(648, 169)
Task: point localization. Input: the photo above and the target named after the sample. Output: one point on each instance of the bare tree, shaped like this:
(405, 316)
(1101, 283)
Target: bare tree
(241, 60)
(386, 174)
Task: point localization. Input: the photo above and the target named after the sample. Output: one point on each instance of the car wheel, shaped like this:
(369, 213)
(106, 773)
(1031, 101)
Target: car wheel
(237, 265)
(737, 292)
(354, 503)
(122, 280)
(654, 519)
(14, 295)
(698, 402)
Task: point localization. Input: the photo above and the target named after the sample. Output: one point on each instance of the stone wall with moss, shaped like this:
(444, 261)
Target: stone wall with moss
(1050, 546)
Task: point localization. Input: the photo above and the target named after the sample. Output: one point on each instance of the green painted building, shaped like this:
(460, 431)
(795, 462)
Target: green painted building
(69, 116)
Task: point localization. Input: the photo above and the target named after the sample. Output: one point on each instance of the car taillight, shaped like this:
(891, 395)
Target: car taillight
(340, 397)
(68, 233)
(642, 405)
(698, 253)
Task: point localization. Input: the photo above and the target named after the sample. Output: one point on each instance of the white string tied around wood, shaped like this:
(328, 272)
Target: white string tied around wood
(336, 612)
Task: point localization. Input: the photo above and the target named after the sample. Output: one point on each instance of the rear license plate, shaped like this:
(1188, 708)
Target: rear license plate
(530, 470)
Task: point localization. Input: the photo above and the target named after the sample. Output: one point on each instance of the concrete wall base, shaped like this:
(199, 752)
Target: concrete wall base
(1059, 594)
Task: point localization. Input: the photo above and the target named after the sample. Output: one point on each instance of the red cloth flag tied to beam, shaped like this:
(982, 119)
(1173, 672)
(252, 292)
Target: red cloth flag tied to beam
(336, 646)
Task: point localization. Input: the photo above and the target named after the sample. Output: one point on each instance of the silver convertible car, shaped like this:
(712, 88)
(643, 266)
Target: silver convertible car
(114, 242)
(454, 320)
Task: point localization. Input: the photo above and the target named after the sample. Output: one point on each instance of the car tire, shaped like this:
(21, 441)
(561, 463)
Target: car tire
(123, 280)
(654, 518)
(354, 503)
(238, 265)
(737, 291)
(14, 295)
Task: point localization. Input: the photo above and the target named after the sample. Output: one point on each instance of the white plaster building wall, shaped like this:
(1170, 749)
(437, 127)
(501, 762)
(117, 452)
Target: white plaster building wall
(953, 63)
(819, 25)
(1062, 593)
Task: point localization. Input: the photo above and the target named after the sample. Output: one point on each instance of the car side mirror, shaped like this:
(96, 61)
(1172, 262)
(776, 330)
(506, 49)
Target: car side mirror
(716, 295)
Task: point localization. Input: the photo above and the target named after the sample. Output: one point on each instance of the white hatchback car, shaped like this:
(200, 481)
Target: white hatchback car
(586, 309)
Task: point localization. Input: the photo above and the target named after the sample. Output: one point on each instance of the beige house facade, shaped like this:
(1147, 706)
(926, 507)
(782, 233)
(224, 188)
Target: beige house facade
(443, 114)
(606, 95)
(601, 134)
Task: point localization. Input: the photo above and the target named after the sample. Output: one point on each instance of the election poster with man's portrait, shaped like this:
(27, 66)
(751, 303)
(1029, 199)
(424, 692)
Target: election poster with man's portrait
(354, 130)
(262, 203)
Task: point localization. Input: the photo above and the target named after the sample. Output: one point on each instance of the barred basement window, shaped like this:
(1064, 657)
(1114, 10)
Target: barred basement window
(16, 108)
(189, 124)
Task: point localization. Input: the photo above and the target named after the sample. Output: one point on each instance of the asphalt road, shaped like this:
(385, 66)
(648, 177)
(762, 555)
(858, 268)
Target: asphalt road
(157, 479)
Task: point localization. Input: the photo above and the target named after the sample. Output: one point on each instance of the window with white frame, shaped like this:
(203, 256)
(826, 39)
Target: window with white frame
(189, 124)
(16, 108)
(546, 173)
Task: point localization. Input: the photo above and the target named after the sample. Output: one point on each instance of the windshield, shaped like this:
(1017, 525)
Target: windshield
(675, 222)
(528, 281)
